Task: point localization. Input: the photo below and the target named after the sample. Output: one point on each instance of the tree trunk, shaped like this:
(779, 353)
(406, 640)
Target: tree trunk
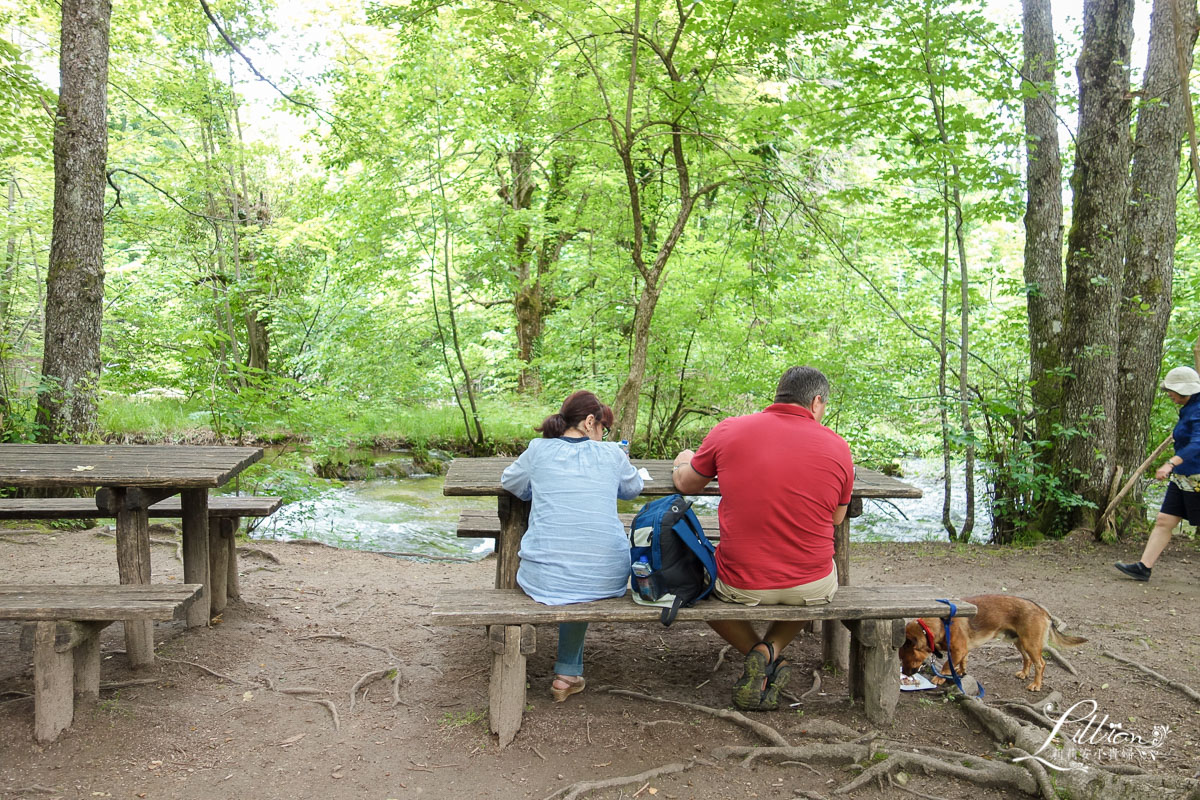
(625, 406)
(1150, 248)
(10, 256)
(527, 300)
(1095, 251)
(75, 278)
(1043, 217)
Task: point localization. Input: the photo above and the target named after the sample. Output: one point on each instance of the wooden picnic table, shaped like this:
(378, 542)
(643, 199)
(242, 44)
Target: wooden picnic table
(480, 477)
(129, 479)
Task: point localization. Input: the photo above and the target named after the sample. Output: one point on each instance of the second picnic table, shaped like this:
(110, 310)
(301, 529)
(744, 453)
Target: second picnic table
(129, 479)
(480, 477)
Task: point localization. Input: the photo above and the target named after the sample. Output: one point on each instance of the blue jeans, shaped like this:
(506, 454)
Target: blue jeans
(570, 648)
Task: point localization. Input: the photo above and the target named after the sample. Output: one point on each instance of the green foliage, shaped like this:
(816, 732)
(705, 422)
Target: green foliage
(829, 134)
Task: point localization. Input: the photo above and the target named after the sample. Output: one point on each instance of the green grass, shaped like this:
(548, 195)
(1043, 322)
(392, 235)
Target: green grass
(327, 422)
(157, 418)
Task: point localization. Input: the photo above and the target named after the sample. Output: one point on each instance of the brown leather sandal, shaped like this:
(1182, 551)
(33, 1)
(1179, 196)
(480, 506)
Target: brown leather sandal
(575, 685)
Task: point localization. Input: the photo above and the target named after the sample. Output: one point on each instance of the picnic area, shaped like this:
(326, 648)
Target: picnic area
(242, 708)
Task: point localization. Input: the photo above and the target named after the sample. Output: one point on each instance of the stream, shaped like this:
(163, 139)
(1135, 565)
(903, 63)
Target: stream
(411, 516)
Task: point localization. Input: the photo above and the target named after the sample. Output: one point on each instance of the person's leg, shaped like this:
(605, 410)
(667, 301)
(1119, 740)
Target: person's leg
(780, 634)
(738, 632)
(568, 670)
(1164, 526)
(570, 648)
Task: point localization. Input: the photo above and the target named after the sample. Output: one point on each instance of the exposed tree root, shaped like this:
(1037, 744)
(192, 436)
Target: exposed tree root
(721, 657)
(113, 685)
(337, 725)
(393, 673)
(212, 672)
(1180, 687)
(1075, 780)
(816, 686)
(764, 731)
(896, 784)
(576, 790)
(1062, 661)
(256, 551)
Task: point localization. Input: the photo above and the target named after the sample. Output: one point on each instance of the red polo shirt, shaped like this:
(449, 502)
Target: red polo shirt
(782, 476)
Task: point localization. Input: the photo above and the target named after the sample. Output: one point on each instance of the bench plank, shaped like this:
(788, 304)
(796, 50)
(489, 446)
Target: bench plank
(514, 607)
(476, 523)
(219, 506)
(95, 603)
(874, 616)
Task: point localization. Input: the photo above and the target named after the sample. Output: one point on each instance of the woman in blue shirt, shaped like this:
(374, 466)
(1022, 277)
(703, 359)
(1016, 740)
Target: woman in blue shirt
(1182, 501)
(575, 548)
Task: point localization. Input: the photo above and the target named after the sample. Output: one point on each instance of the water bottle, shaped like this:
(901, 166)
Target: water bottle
(641, 576)
(625, 447)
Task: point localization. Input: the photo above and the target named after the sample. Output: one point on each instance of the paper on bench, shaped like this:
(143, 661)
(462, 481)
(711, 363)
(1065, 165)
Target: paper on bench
(645, 475)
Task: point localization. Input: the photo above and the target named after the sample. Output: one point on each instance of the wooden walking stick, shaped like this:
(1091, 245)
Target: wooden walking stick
(1102, 522)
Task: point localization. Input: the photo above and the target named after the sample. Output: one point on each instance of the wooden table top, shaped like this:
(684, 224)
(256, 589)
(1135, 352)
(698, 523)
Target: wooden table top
(481, 477)
(132, 465)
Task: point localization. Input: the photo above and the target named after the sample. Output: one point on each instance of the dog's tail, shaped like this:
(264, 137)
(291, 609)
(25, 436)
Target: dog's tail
(1056, 636)
(1060, 639)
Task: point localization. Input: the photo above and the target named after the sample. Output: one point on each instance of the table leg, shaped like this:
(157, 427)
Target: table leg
(514, 520)
(510, 645)
(133, 565)
(835, 638)
(195, 553)
(874, 666)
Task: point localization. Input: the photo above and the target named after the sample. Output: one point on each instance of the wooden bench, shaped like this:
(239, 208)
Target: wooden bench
(65, 640)
(874, 615)
(485, 524)
(225, 514)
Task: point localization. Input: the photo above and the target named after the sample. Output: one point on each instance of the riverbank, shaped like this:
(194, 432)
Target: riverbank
(213, 717)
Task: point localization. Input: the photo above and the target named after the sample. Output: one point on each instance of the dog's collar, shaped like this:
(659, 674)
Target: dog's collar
(929, 638)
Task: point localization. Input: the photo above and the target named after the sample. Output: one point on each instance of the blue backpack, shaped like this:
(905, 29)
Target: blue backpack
(672, 563)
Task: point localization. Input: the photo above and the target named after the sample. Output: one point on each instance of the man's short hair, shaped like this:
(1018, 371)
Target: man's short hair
(800, 385)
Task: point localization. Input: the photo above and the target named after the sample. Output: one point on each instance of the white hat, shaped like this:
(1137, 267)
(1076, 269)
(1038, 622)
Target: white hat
(1182, 380)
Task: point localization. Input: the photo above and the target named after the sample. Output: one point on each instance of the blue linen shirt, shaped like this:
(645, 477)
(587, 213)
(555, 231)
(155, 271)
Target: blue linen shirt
(575, 548)
(1187, 437)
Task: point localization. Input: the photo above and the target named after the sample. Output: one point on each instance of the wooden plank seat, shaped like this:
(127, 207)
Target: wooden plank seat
(225, 514)
(477, 523)
(219, 507)
(66, 621)
(874, 615)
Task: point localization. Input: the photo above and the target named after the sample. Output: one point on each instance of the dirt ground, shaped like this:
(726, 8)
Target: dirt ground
(220, 726)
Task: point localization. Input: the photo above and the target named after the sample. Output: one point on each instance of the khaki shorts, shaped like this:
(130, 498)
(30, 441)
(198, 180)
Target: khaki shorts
(816, 593)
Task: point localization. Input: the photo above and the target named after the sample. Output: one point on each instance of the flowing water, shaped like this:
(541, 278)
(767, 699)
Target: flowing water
(411, 516)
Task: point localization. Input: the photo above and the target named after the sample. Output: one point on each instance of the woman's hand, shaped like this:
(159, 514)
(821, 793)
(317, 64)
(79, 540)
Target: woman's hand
(1163, 472)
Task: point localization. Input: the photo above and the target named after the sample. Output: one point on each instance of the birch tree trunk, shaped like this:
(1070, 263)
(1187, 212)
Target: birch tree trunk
(75, 278)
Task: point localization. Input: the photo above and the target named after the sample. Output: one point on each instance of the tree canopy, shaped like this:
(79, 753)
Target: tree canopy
(330, 210)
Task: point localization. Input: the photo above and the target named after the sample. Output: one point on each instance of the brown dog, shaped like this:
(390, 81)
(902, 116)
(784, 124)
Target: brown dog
(1023, 621)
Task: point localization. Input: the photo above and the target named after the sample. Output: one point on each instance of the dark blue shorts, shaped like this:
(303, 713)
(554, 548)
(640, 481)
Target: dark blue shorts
(1179, 503)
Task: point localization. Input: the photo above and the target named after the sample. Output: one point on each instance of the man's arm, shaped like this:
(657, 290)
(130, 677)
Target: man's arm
(686, 479)
(839, 514)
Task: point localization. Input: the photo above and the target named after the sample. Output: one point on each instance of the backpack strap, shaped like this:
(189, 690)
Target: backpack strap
(668, 614)
(692, 534)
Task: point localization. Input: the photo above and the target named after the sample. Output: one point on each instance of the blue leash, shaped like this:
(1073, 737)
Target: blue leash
(949, 655)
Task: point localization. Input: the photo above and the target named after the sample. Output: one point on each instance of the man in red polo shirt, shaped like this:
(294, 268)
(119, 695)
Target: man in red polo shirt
(785, 481)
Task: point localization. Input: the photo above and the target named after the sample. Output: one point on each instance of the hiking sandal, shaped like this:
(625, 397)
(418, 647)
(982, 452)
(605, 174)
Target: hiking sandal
(748, 691)
(779, 672)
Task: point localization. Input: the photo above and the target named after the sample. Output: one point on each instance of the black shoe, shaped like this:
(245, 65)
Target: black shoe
(1137, 570)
